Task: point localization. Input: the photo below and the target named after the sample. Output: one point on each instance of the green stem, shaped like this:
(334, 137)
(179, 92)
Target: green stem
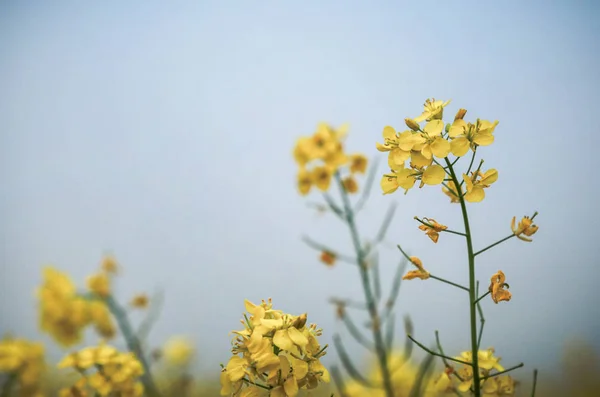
(448, 282)
(482, 296)
(493, 245)
(535, 374)
(438, 354)
(8, 385)
(133, 344)
(503, 372)
(364, 275)
(472, 290)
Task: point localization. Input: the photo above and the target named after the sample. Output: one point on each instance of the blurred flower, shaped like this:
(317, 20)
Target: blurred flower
(321, 177)
(178, 351)
(486, 361)
(99, 284)
(432, 229)
(328, 258)
(140, 301)
(109, 265)
(350, 185)
(305, 181)
(525, 227)
(116, 372)
(419, 273)
(102, 319)
(23, 360)
(497, 288)
(358, 163)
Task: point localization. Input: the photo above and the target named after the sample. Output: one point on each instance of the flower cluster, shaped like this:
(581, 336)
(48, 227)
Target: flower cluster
(24, 361)
(276, 352)
(422, 147)
(491, 385)
(115, 372)
(64, 313)
(321, 155)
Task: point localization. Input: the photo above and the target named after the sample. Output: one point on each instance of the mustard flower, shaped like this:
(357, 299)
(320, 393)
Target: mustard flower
(503, 385)
(432, 229)
(433, 110)
(179, 351)
(350, 185)
(116, 372)
(497, 284)
(305, 181)
(109, 265)
(486, 361)
(402, 177)
(99, 284)
(467, 136)
(276, 350)
(477, 183)
(358, 163)
(328, 258)
(419, 273)
(322, 177)
(140, 301)
(435, 144)
(23, 360)
(525, 227)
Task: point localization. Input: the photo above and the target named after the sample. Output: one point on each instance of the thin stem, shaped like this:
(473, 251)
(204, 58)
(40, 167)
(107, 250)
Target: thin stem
(481, 297)
(448, 282)
(535, 374)
(133, 344)
(360, 338)
(256, 384)
(493, 245)
(503, 372)
(439, 346)
(481, 319)
(470, 165)
(323, 248)
(472, 297)
(364, 275)
(438, 354)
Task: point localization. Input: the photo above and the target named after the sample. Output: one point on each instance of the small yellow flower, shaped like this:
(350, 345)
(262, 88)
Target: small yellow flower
(358, 163)
(109, 265)
(497, 288)
(350, 185)
(525, 227)
(322, 177)
(402, 177)
(179, 351)
(140, 301)
(305, 181)
(102, 319)
(477, 183)
(452, 192)
(419, 273)
(99, 284)
(433, 229)
(466, 135)
(328, 258)
(433, 110)
(435, 144)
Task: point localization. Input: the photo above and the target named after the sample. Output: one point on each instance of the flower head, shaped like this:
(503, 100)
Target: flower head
(179, 351)
(350, 184)
(496, 288)
(433, 110)
(419, 273)
(432, 229)
(358, 163)
(477, 182)
(23, 360)
(525, 227)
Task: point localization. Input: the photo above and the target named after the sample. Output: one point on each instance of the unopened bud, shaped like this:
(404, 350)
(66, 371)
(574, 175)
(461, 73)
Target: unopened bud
(413, 125)
(460, 114)
(300, 321)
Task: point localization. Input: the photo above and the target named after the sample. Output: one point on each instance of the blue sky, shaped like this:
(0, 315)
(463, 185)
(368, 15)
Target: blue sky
(163, 134)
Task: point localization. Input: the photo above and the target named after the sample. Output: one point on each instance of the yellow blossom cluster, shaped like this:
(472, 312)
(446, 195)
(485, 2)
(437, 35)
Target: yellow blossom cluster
(491, 385)
(424, 148)
(115, 372)
(179, 351)
(275, 351)
(23, 361)
(321, 155)
(64, 313)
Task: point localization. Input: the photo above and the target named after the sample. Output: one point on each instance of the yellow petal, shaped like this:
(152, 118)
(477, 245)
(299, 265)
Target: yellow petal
(389, 183)
(459, 146)
(440, 147)
(418, 160)
(434, 127)
(457, 128)
(282, 340)
(483, 139)
(489, 177)
(476, 194)
(291, 387)
(434, 175)
(297, 337)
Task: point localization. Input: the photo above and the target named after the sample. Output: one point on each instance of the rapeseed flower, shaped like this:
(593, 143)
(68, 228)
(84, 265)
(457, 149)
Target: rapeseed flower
(432, 229)
(525, 227)
(496, 288)
(419, 273)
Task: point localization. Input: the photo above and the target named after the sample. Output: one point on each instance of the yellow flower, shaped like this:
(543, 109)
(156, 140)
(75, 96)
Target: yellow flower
(140, 301)
(23, 360)
(322, 177)
(435, 144)
(402, 177)
(358, 163)
(497, 288)
(434, 110)
(432, 229)
(477, 183)
(328, 258)
(109, 265)
(179, 351)
(305, 181)
(525, 227)
(419, 273)
(432, 175)
(486, 362)
(466, 135)
(99, 284)
(350, 185)
(452, 192)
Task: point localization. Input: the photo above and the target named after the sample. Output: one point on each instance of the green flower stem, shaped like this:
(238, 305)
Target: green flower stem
(472, 291)
(470, 166)
(437, 354)
(439, 346)
(493, 245)
(535, 373)
(8, 385)
(481, 318)
(503, 372)
(133, 344)
(364, 275)
(256, 384)
(448, 282)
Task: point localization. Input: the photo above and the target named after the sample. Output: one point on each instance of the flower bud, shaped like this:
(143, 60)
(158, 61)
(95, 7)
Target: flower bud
(413, 125)
(460, 114)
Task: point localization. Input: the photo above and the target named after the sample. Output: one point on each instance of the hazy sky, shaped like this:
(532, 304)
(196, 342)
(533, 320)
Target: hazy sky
(162, 132)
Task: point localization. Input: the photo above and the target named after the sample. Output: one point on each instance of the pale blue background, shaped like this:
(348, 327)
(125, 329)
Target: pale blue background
(162, 132)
